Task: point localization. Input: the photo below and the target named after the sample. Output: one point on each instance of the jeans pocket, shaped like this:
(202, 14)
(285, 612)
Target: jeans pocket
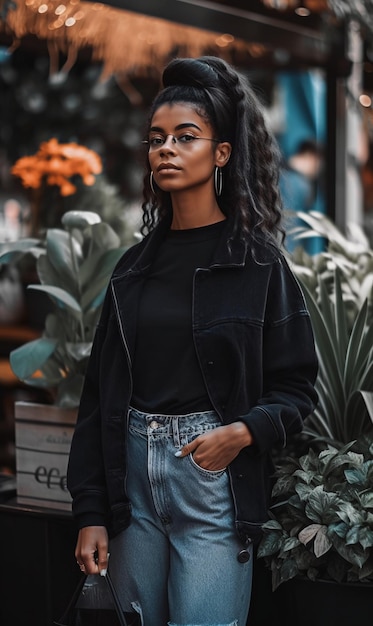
(206, 472)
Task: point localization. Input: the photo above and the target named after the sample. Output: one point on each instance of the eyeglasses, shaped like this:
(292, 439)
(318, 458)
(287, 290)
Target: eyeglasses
(155, 142)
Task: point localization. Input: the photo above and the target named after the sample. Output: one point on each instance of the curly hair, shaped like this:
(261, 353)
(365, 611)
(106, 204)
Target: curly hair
(224, 97)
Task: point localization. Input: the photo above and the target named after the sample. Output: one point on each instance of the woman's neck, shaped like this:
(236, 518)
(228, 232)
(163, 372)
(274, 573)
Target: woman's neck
(194, 212)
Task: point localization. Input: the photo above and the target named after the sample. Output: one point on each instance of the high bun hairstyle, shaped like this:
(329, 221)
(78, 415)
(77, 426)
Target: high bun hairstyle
(217, 92)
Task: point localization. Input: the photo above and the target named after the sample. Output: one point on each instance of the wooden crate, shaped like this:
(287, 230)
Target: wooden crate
(43, 436)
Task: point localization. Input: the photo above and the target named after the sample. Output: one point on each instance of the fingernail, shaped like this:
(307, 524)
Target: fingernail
(103, 572)
(178, 453)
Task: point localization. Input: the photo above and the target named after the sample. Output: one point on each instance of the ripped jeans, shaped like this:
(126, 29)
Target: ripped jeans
(177, 561)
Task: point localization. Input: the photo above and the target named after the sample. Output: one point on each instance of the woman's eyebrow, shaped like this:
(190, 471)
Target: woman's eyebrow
(157, 129)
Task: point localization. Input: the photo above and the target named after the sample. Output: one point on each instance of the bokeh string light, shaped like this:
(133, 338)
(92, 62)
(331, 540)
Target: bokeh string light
(122, 40)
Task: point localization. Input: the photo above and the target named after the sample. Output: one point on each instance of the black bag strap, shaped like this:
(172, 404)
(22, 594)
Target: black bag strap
(118, 608)
(70, 607)
(65, 619)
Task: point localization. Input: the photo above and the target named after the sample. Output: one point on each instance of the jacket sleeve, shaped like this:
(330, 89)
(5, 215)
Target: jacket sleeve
(85, 473)
(289, 363)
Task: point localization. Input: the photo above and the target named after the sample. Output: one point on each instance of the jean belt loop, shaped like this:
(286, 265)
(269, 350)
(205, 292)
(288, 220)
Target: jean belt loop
(175, 431)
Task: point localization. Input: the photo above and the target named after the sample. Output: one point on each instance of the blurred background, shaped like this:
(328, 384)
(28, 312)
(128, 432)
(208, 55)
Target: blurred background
(86, 72)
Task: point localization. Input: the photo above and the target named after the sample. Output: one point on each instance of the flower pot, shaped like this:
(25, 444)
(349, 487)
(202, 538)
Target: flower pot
(302, 602)
(43, 436)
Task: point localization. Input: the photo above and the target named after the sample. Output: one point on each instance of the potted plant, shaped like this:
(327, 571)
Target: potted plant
(338, 288)
(321, 529)
(318, 543)
(73, 265)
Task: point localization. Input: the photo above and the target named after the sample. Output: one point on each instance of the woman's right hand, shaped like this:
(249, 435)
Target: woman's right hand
(91, 550)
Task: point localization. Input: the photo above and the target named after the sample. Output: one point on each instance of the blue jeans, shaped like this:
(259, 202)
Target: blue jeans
(177, 561)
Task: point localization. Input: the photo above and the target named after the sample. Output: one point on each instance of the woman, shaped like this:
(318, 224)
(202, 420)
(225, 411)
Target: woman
(203, 360)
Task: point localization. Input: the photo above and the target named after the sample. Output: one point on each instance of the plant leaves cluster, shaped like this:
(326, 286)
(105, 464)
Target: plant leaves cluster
(351, 255)
(74, 265)
(345, 379)
(321, 522)
(338, 287)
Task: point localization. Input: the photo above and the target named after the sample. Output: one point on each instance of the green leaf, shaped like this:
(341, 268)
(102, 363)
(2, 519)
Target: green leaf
(322, 543)
(289, 544)
(303, 491)
(366, 537)
(357, 420)
(80, 219)
(95, 276)
(320, 422)
(305, 476)
(64, 252)
(340, 320)
(337, 461)
(270, 544)
(282, 486)
(62, 296)
(13, 250)
(289, 570)
(368, 399)
(367, 500)
(272, 525)
(356, 476)
(355, 346)
(104, 237)
(340, 528)
(47, 274)
(348, 514)
(355, 555)
(328, 354)
(352, 536)
(30, 357)
(319, 504)
(322, 225)
(307, 534)
(327, 310)
(366, 571)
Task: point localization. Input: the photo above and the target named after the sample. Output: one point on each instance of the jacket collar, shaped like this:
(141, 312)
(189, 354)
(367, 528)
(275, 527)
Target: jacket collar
(231, 250)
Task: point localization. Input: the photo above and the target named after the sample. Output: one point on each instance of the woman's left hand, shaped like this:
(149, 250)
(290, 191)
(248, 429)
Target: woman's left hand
(217, 448)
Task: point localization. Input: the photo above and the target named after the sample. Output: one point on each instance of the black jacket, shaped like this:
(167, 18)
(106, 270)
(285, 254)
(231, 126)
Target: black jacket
(255, 346)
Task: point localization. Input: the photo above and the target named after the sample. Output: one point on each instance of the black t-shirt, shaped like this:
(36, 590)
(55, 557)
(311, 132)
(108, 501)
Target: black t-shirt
(166, 373)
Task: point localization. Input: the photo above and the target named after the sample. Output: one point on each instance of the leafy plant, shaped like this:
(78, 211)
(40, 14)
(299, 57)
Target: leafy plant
(338, 287)
(345, 379)
(321, 522)
(352, 256)
(73, 266)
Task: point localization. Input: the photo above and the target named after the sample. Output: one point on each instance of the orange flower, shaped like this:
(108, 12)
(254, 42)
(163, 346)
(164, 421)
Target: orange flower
(56, 163)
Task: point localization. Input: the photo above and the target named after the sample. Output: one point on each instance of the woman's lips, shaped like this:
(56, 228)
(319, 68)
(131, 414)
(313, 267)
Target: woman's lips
(164, 167)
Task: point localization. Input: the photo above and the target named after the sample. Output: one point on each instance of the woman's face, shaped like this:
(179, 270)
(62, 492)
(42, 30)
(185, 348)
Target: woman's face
(183, 151)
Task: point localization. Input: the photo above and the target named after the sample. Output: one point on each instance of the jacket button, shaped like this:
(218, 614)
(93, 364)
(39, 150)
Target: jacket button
(239, 475)
(210, 363)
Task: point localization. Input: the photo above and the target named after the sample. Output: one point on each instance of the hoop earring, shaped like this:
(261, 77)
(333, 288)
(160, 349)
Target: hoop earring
(218, 180)
(151, 182)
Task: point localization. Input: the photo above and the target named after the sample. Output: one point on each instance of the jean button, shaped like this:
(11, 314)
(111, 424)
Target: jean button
(154, 424)
(243, 556)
